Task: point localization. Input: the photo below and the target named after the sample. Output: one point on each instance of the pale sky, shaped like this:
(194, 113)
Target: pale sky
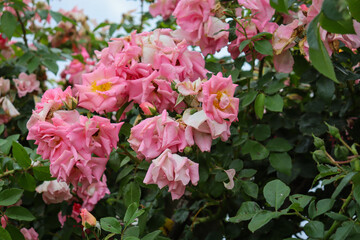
(100, 10)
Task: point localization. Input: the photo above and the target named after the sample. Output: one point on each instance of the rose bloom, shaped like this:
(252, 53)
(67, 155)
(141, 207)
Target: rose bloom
(190, 14)
(87, 217)
(29, 234)
(201, 130)
(153, 135)
(26, 84)
(218, 100)
(163, 7)
(102, 90)
(4, 86)
(54, 191)
(173, 171)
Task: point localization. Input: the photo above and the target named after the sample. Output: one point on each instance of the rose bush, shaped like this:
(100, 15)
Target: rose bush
(228, 120)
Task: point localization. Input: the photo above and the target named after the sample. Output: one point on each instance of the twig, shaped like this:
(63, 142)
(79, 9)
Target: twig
(127, 153)
(6, 173)
(22, 28)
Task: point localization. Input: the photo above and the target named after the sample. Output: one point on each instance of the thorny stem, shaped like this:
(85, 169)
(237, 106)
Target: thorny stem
(92, 230)
(336, 224)
(347, 146)
(22, 28)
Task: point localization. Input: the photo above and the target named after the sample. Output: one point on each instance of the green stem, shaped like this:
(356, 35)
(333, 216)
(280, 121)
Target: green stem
(336, 224)
(6, 173)
(347, 146)
(261, 67)
(22, 28)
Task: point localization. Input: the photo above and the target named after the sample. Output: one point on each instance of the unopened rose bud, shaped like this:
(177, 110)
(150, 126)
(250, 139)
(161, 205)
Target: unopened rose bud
(148, 108)
(88, 220)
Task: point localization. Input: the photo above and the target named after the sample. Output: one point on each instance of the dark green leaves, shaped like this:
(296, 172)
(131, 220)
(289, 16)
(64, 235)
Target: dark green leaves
(8, 24)
(21, 156)
(280, 5)
(281, 162)
(263, 47)
(261, 218)
(10, 196)
(279, 145)
(4, 235)
(274, 103)
(132, 193)
(257, 150)
(132, 212)
(314, 229)
(110, 224)
(246, 212)
(319, 56)
(259, 105)
(354, 9)
(275, 193)
(19, 213)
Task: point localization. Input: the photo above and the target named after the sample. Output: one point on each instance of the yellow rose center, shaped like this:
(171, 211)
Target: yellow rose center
(102, 87)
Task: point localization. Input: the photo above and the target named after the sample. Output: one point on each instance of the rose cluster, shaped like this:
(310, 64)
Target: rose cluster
(78, 147)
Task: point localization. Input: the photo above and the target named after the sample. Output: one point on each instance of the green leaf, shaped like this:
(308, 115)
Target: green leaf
(110, 224)
(325, 88)
(248, 98)
(56, 16)
(336, 10)
(281, 162)
(124, 172)
(5, 145)
(342, 184)
(4, 235)
(33, 64)
(21, 156)
(10, 196)
(2, 128)
(132, 194)
(280, 5)
(322, 207)
(262, 34)
(337, 216)
(27, 182)
(42, 173)
(263, 47)
(250, 188)
(337, 26)
(14, 232)
(19, 213)
(243, 44)
(261, 218)
(246, 212)
(236, 164)
(103, 24)
(302, 200)
(51, 65)
(152, 235)
(257, 150)
(259, 105)
(343, 232)
(354, 9)
(279, 145)
(8, 23)
(262, 132)
(179, 99)
(314, 229)
(131, 213)
(132, 232)
(319, 56)
(274, 103)
(275, 193)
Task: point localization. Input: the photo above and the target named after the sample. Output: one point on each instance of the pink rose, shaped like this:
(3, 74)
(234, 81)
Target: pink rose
(219, 102)
(187, 87)
(4, 86)
(190, 14)
(284, 62)
(54, 191)
(173, 171)
(260, 9)
(153, 135)
(29, 234)
(163, 7)
(87, 218)
(214, 36)
(92, 193)
(201, 130)
(26, 84)
(102, 90)
(4, 220)
(147, 108)
(8, 107)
